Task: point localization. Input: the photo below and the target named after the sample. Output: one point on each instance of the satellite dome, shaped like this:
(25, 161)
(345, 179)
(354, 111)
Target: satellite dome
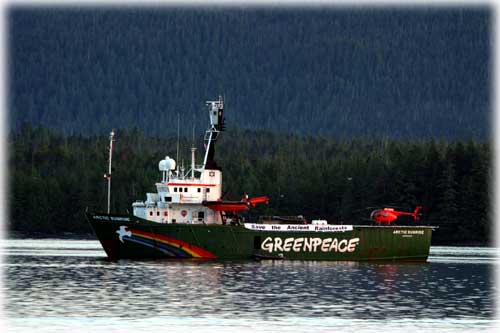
(167, 164)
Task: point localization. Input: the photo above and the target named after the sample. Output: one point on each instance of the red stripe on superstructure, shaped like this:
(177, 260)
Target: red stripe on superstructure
(228, 207)
(181, 184)
(201, 252)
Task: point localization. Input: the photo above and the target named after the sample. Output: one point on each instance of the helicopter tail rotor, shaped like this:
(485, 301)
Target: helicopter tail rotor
(416, 214)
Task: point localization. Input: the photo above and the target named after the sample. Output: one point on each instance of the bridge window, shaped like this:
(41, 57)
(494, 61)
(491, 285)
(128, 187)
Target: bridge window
(199, 190)
(207, 190)
(150, 213)
(175, 189)
(168, 199)
(185, 189)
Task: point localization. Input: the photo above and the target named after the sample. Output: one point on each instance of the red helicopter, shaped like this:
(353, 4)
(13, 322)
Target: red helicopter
(389, 215)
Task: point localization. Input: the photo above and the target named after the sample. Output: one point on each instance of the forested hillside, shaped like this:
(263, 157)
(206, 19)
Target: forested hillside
(343, 73)
(54, 178)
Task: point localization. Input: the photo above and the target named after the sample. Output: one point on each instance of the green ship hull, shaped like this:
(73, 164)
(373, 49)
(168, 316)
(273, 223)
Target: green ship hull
(130, 237)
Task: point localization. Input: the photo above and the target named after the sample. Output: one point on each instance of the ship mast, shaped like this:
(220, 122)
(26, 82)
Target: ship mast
(193, 150)
(178, 138)
(108, 175)
(216, 110)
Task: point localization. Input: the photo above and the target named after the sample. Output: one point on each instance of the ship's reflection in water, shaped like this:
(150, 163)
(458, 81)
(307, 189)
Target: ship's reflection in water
(46, 281)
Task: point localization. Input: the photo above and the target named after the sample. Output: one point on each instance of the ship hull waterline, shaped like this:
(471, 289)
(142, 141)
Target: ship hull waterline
(130, 237)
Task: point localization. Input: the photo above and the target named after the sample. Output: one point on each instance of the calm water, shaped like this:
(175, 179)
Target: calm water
(67, 285)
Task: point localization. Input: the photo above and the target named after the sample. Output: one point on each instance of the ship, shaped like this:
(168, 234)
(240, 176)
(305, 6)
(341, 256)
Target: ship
(187, 218)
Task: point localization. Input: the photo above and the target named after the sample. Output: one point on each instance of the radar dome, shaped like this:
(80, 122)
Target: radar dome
(167, 164)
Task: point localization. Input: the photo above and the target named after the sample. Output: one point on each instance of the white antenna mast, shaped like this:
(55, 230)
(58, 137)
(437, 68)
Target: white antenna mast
(193, 149)
(108, 175)
(194, 126)
(178, 135)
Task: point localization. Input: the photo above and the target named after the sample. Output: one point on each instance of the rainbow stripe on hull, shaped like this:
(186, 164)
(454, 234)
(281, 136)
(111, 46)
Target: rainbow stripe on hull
(169, 246)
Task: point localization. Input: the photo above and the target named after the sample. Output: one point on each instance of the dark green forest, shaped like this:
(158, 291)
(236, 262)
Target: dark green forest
(54, 178)
(333, 71)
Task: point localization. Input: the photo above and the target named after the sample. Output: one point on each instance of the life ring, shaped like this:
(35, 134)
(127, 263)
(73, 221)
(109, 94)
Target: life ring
(184, 213)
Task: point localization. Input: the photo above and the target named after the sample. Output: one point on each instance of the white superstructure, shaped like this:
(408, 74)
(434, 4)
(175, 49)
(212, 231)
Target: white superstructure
(180, 193)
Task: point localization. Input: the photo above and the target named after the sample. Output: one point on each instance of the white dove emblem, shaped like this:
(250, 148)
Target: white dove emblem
(122, 232)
